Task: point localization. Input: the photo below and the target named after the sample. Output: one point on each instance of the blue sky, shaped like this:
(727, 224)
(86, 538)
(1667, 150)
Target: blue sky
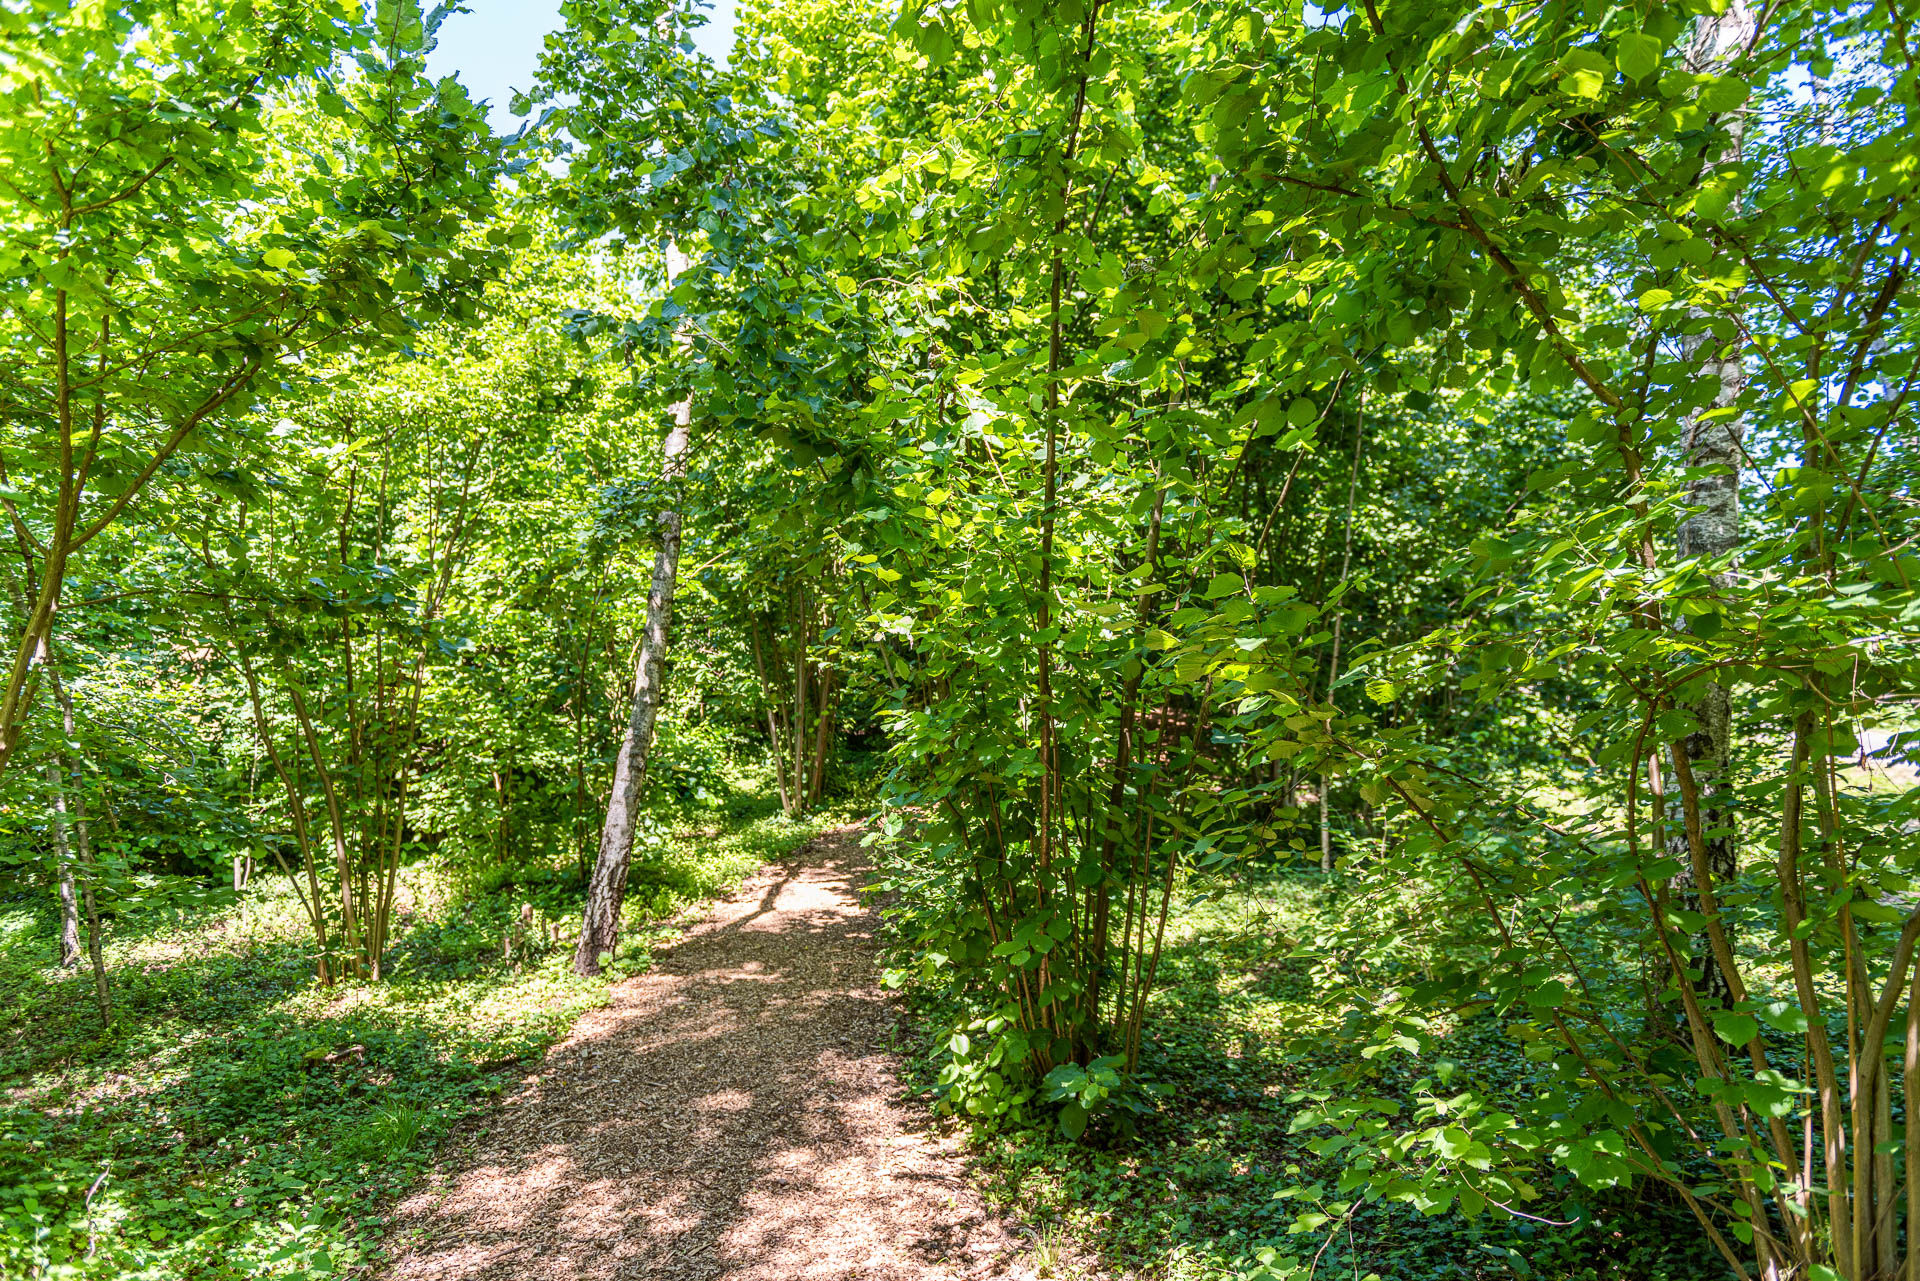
(495, 47)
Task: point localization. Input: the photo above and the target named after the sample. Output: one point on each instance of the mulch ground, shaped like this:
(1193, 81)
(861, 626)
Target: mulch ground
(733, 1113)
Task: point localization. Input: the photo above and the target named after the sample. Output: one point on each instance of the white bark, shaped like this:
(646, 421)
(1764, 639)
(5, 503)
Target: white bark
(82, 845)
(1714, 439)
(63, 858)
(1714, 453)
(600, 931)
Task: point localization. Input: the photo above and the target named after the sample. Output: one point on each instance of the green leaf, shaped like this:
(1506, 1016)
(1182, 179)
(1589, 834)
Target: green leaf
(1583, 74)
(1735, 1028)
(1225, 585)
(1783, 1016)
(1726, 93)
(1073, 1120)
(1453, 1142)
(1637, 55)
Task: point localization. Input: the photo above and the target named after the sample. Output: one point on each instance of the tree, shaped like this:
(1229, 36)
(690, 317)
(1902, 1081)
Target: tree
(1423, 142)
(664, 150)
(606, 891)
(195, 193)
(73, 850)
(373, 579)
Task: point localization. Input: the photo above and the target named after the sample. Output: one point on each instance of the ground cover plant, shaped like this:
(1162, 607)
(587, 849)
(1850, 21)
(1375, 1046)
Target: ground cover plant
(238, 1119)
(1214, 1180)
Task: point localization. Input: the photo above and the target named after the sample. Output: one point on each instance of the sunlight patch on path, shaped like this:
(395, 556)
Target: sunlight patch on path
(731, 1114)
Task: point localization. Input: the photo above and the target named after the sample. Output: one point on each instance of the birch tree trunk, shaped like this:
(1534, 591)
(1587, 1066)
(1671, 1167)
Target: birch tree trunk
(1713, 452)
(63, 857)
(600, 930)
(82, 846)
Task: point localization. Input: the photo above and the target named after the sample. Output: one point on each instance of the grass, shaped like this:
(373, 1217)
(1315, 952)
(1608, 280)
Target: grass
(1204, 1187)
(238, 1120)
(1048, 1255)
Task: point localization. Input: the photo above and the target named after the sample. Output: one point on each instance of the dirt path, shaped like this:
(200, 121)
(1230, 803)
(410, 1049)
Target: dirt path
(733, 1113)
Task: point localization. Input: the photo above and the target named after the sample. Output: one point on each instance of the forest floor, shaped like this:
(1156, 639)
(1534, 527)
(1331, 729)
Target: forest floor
(1238, 1026)
(237, 1120)
(735, 1112)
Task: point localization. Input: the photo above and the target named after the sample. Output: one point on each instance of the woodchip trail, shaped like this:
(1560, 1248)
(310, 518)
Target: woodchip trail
(733, 1113)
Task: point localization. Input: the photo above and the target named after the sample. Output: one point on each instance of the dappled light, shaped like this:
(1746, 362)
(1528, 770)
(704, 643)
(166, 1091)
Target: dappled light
(732, 1112)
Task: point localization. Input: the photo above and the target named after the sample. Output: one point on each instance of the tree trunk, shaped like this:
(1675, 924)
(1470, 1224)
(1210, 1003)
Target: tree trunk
(1339, 616)
(82, 845)
(800, 630)
(310, 899)
(822, 736)
(1110, 836)
(357, 957)
(787, 806)
(600, 930)
(1714, 454)
(63, 858)
(98, 962)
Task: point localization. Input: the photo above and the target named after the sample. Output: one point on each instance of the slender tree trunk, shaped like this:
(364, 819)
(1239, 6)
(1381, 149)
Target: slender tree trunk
(500, 812)
(1714, 454)
(82, 845)
(580, 805)
(1052, 784)
(310, 899)
(822, 736)
(1339, 616)
(773, 725)
(356, 962)
(1101, 906)
(579, 706)
(800, 629)
(63, 859)
(600, 930)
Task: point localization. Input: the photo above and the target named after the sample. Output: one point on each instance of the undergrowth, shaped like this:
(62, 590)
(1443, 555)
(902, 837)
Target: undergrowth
(1215, 1177)
(238, 1120)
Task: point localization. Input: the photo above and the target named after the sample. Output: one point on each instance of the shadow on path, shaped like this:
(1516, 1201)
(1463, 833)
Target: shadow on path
(733, 1113)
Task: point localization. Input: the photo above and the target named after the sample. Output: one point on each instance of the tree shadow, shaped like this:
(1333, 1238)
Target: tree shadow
(731, 1113)
(230, 1083)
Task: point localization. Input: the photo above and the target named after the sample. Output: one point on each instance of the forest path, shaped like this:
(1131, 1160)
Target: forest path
(733, 1113)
